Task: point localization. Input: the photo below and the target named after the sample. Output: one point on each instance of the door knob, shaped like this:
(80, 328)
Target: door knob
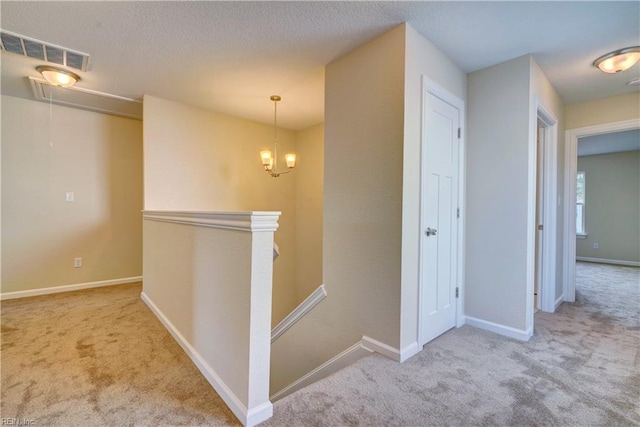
(430, 232)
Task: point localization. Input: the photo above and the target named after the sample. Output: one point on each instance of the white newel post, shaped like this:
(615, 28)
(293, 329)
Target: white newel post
(208, 277)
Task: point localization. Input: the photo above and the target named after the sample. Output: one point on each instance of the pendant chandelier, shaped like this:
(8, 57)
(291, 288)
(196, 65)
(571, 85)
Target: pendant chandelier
(270, 160)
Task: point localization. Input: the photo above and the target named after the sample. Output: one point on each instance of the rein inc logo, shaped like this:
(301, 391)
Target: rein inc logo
(17, 422)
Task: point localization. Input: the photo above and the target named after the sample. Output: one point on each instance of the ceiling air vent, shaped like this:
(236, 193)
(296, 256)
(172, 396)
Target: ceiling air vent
(26, 46)
(86, 99)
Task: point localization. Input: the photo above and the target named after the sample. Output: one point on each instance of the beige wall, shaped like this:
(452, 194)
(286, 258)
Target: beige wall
(612, 206)
(203, 283)
(497, 187)
(371, 180)
(309, 187)
(601, 111)
(500, 252)
(96, 156)
(199, 160)
(362, 211)
(364, 119)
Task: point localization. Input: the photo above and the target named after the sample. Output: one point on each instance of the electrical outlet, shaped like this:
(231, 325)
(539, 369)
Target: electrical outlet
(595, 246)
(77, 262)
(68, 197)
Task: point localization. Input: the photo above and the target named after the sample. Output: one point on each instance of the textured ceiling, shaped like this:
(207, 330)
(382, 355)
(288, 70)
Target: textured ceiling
(231, 56)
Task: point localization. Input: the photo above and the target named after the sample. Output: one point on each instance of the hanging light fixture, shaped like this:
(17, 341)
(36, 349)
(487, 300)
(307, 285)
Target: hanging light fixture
(58, 76)
(619, 60)
(270, 160)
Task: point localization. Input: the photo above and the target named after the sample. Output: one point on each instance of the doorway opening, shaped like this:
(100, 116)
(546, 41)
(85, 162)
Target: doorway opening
(541, 283)
(570, 187)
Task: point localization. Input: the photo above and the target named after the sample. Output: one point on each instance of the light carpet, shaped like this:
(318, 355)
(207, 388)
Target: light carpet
(100, 357)
(95, 358)
(581, 368)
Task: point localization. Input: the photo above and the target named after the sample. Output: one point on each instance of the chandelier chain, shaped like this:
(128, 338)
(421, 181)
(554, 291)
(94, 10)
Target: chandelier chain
(275, 135)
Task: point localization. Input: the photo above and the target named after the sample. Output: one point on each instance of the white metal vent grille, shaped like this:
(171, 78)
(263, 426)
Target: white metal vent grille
(86, 99)
(16, 43)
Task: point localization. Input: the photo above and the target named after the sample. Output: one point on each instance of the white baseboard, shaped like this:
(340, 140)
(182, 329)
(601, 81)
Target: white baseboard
(609, 261)
(247, 417)
(507, 331)
(380, 347)
(461, 320)
(67, 288)
(409, 351)
(559, 301)
(342, 360)
(390, 352)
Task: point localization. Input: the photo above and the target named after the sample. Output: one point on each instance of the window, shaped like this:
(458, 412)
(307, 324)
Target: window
(580, 212)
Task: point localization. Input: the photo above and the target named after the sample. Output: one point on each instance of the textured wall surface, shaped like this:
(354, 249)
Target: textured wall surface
(309, 176)
(607, 110)
(212, 289)
(47, 153)
(362, 211)
(497, 182)
(198, 160)
(612, 185)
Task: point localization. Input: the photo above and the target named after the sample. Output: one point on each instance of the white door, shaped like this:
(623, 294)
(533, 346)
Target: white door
(439, 235)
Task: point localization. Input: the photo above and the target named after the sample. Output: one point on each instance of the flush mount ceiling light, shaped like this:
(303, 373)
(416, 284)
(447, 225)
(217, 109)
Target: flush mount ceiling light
(619, 60)
(269, 160)
(58, 76)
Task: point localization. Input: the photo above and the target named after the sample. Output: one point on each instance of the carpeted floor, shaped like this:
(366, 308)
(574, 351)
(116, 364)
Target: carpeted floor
(581, 368)
(100, 357)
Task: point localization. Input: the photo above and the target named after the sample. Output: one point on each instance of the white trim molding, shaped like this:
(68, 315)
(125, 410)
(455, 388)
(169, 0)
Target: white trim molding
(67, 288)
(299, 312)
(507, 331)
(230, 220)
(248, 418)
(399, 355)
(571, 169)
(340, 361)
(609, 261)
(362, 348)
(549, 167)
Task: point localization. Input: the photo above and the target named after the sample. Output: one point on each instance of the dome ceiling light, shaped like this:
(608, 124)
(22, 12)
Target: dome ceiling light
(58, 76)
(618, 60)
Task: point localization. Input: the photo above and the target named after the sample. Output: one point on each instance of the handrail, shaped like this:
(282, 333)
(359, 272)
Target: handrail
(299, 312)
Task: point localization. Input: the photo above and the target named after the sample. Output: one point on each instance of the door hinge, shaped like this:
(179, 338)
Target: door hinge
(459, 133)
(457, 292)
(458, 213)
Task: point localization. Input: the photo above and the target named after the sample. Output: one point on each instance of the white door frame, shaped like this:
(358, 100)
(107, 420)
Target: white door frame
(549, 233)
(571, 169)
(429, 86)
